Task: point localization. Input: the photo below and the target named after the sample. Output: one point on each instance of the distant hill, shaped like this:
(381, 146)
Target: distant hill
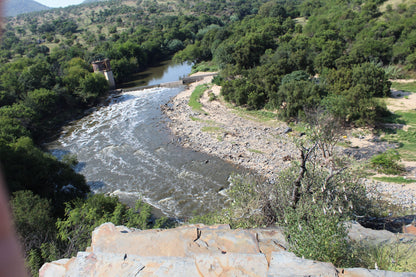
(15, 7)
(92, 1)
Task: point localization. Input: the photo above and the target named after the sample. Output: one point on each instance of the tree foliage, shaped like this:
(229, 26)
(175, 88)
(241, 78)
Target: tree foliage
(82, 217)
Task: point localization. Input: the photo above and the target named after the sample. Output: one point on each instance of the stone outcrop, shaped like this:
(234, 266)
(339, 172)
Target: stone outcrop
(358, 233)
(195, 250)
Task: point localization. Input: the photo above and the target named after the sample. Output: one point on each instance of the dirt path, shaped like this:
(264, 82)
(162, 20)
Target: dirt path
(401, 101)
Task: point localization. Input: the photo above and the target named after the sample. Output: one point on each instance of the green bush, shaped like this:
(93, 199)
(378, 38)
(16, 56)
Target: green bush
(351, 93)
(311, 199)
(387, 162)
(399, 256)
(33, 218)
(82, 217)
(316, 231)
(237, 91)
(217, 80)
(212, 96)
(296, 96)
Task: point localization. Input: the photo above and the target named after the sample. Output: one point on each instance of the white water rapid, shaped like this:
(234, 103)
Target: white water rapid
(125, 148)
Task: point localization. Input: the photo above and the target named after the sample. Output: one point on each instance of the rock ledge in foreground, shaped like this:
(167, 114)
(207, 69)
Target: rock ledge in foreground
(193, 250)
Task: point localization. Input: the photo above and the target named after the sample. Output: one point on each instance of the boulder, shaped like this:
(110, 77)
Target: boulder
(55, 269)
(358, 233)
(286, 264)
(362, 272)
(409, 229)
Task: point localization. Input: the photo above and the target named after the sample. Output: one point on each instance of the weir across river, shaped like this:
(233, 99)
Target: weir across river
(184, 81)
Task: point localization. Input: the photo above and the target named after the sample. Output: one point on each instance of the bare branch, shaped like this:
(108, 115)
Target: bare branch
(304, 156)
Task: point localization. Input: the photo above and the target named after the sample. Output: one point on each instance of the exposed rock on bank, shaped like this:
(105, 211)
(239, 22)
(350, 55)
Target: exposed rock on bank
(199, 250)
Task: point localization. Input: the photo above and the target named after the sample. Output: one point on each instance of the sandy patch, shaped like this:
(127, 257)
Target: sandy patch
(401, 101)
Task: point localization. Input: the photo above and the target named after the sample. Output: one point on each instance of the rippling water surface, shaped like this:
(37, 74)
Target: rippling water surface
(125, 148)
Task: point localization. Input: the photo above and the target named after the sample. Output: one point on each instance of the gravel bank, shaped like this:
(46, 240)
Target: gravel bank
(220, 131)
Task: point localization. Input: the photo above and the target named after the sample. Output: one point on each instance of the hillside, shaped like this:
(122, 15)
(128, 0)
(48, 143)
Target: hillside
(92, 1)
(16, 7)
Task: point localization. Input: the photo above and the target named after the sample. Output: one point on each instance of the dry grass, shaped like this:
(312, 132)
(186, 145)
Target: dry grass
(394, 4)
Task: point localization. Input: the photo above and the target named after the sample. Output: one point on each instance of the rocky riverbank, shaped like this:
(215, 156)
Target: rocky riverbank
(262, 147)
(265, 147)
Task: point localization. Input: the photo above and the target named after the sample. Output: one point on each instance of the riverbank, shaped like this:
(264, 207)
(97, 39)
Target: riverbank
(264, 147)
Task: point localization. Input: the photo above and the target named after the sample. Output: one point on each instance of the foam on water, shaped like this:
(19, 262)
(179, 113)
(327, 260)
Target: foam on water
(126, 149)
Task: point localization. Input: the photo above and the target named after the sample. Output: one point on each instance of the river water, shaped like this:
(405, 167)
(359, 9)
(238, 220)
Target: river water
(166, 71)
(126, 149)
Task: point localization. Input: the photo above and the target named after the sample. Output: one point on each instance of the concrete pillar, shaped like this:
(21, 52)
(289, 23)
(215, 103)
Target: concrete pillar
(110, 78)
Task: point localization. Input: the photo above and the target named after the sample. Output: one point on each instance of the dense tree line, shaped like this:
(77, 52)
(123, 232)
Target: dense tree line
(336, 60)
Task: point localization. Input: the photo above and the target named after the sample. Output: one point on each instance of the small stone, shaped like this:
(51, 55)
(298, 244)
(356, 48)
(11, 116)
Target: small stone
(409, 229)
(287, 130)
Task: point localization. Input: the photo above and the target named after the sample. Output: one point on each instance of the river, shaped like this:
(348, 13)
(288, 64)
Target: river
(126, 149)
(166, 71)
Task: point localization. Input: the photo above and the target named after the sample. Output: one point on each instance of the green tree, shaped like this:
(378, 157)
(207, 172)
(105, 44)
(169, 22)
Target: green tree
(33, 219)
(36, 76)
(11, 129)
(352, 92)
(82, 217)
(272, 9)
(75, 70)
(296, 96)
(191, 53)
(19, 112)
(26, 167)
(369, 49)
(249, 48)
(10, 75)
(42, 101)
(373, 79)
(91, 87)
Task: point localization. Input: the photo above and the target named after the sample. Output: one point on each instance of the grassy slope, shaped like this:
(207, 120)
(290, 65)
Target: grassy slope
(81, 14)
(405, 137)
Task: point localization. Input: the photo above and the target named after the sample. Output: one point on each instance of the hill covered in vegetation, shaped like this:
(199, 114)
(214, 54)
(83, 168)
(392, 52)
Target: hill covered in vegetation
(15, 7)
(348, 46)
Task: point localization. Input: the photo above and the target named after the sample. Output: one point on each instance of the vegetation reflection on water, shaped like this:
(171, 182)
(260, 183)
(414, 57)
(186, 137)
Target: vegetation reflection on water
(166, 71)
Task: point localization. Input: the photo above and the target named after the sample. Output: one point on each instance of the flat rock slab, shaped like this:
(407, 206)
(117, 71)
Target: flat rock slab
(286, 264)
(195, 250)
